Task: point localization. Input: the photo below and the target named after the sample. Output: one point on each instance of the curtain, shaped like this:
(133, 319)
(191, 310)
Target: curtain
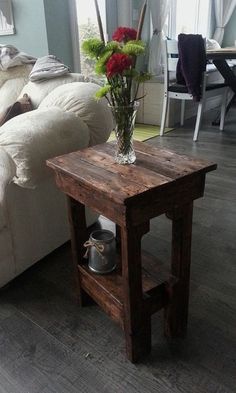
(159, 10)
(223, 12)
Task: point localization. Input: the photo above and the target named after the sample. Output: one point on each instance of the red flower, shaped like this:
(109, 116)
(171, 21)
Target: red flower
(124, 34)
(117, 63)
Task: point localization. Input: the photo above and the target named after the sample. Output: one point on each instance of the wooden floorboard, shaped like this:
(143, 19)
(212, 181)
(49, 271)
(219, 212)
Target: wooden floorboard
(48, 345)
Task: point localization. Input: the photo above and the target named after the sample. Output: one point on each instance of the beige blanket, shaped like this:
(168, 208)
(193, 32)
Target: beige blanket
(11, 57)
(47, 67)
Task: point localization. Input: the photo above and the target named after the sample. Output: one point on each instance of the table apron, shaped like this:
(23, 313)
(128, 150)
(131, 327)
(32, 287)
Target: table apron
(148, 206)
(96, 202)
(178, 195)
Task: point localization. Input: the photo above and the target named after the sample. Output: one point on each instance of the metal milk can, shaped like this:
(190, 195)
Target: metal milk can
(102, 251)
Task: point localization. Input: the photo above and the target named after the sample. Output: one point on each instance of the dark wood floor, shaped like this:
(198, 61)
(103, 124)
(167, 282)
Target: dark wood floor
(48, 345)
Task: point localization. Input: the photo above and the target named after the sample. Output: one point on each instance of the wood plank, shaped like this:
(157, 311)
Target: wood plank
(176, 312)
(162, 158)
(153, 168)
(137, 320)
(166, 199)
(96, 201)
(115, 188)
(136, 173)
(106, 291)
(79, 234)
(166, 154)
(110, 286)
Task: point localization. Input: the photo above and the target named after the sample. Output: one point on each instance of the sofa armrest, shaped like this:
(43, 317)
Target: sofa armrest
(79, 98)
(33, 137)
(7, 173)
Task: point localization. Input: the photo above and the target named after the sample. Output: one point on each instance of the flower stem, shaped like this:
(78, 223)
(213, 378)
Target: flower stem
(99, 21)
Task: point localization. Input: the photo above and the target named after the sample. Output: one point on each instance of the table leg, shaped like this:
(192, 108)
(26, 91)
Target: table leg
(176, 312)
(216, 121)
(137, 324)
(118, 237)
(226, 72)
(78, 231)
(230, 79)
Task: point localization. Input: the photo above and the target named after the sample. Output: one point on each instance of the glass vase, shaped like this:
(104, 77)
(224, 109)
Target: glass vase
(124, 117)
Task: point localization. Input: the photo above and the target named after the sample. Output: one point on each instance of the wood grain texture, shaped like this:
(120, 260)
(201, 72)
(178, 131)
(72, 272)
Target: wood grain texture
(176, 312)
(96, 173)
(91, 177)
(137, 320)
(79, 235)
(108, 292)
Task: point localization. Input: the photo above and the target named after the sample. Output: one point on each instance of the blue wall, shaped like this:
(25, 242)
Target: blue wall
(30, 27)
(42, 28)
(230, 31)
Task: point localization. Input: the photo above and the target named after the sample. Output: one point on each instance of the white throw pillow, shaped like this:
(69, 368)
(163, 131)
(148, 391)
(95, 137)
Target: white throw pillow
(79, 98)
(33, 137)
(38, 91)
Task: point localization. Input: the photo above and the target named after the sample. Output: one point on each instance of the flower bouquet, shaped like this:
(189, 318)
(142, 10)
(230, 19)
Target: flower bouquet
(116, 60)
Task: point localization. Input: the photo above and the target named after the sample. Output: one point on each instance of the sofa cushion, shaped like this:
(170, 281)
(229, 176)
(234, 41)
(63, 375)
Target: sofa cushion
(38, 91)
(79, 98)
(20, 106)
(7, 173)
(12, 82)
(33, 137)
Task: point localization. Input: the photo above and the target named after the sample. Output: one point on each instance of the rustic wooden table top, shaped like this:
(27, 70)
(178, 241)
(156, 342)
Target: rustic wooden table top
(154, 169)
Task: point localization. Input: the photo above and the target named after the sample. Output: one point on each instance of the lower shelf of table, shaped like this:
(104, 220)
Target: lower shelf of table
(107, 290)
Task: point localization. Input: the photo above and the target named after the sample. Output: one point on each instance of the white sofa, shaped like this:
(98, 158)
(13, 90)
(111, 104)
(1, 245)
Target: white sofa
(66, 117)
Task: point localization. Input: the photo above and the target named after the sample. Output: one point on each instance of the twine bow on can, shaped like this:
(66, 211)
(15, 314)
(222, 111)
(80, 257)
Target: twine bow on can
(99, 247)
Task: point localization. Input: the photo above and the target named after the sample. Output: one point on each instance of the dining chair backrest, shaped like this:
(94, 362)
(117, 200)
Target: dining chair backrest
(171, 58)
(173, 90)
(170, 63)
(172, 54)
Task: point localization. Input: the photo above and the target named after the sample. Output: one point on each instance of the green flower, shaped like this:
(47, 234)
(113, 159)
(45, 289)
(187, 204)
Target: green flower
(103, 91)
(100, 66)
(137, 42)
(93, 47)
(112, 46)
(134, 48)
(115, 62)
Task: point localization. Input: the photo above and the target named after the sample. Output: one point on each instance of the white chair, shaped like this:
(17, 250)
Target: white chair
(180, 92)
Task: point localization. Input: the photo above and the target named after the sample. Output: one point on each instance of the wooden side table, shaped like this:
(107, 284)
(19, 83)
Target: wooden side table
(130, 195)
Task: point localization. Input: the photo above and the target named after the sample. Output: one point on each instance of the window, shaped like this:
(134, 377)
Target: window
(189, 16)
(88, 28)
